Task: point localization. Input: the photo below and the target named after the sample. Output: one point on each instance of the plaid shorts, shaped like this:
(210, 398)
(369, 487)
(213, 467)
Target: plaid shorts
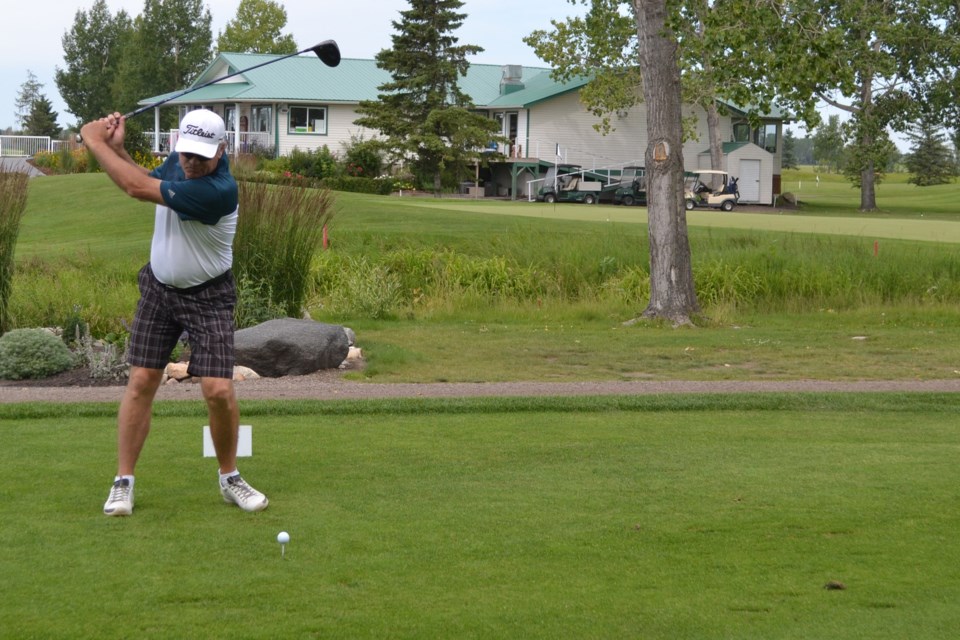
(164, 313)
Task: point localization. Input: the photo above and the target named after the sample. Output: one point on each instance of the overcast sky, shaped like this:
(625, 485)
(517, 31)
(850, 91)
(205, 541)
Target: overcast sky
(33, 41)
(361, 28)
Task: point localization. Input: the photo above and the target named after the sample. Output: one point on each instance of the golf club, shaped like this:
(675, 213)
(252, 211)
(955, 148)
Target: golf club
(327, 51)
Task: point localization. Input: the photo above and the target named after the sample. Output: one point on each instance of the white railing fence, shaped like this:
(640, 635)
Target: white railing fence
(28, 146)
(250, 142)
(23, 146)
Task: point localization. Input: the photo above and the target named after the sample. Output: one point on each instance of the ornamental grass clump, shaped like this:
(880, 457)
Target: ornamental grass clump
(33, 353)
(13, 201)
(279, 232)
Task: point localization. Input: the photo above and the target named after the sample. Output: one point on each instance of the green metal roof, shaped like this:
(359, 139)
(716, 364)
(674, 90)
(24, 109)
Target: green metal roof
(306, 78)
(774, 112)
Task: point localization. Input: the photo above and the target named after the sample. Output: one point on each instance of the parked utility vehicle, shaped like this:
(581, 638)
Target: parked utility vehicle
(710, 188)
(571, 188)
(636, 191)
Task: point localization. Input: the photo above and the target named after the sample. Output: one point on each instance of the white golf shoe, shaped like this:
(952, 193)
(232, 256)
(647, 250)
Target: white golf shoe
(238, 492)
(120, 500)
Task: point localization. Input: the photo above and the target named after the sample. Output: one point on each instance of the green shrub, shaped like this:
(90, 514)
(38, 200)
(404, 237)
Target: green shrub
(106, 359)
(256, 303)
(64, 161)
(32, 353)
(321, 163)
(363, 157)
(377, 186)
(279, 165)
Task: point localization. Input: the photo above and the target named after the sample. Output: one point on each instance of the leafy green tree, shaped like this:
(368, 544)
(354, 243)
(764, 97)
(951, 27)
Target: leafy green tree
(167, 49)
(601, 45)
(883, 55)
(42, 119)
(91, 50)
(930, 160)
(803, 150)
(256, 28)
(29, 92)
(421, 112)
(828, 144)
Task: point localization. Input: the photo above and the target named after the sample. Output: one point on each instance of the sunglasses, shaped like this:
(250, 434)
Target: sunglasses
(194, 157)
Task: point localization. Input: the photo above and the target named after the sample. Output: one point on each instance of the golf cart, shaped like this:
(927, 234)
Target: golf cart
(636, 192)
(710, 188)
(571, 187)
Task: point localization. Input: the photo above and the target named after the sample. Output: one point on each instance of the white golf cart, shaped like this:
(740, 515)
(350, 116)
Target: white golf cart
(710, 188)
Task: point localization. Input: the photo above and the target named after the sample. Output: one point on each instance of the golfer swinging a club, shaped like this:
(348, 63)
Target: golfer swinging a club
(186, 286)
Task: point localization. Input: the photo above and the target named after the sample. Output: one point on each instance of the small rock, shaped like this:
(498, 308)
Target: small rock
(244, 373)
(177, 370)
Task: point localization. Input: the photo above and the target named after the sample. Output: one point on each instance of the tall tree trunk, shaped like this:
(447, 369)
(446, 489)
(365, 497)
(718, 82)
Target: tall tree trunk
(672, 294)
(716, 144)
(868, 175)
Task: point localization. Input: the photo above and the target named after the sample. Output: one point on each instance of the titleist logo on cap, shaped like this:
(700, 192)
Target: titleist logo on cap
(200, 132)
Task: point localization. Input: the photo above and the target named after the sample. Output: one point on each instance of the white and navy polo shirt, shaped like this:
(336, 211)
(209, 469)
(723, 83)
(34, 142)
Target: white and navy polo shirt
(193, 232)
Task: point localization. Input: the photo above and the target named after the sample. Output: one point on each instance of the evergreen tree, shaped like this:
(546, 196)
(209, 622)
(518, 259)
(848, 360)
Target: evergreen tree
(42, 119)
(422, 112)
(91, 50)
(29, 92)
(930, 159)
(789, 150)
(257, 29)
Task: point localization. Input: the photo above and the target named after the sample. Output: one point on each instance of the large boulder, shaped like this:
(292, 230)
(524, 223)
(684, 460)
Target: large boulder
(291, 347)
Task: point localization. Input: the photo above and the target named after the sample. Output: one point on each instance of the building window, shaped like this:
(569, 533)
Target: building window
(308, 120)
(766, 136)
(260, 117)
(741, 132)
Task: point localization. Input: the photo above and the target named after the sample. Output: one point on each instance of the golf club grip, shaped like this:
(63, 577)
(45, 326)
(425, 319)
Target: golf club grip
(135, 112)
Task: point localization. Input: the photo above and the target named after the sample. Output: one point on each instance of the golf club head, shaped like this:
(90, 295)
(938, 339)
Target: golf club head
(328, 52)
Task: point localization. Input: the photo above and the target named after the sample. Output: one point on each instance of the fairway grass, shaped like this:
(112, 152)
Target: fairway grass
(683, 517)
(779, 220)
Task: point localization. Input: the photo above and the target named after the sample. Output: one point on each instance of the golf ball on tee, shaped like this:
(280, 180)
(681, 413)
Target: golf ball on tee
(283, 537)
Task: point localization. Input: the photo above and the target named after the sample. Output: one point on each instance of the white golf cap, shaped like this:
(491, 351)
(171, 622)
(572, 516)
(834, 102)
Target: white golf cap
(201, 131)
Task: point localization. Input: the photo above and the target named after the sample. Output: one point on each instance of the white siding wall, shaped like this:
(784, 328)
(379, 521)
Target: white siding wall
(564, 120)
(340, 129)
(753, 152)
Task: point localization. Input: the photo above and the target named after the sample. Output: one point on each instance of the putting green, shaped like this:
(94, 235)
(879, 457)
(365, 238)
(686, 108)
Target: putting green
(860, 226)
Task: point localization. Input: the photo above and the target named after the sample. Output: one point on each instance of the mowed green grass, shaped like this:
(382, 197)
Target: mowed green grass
(644, 517)
(86, 213)
(83, 241)
(905, 212)
(683, 517)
